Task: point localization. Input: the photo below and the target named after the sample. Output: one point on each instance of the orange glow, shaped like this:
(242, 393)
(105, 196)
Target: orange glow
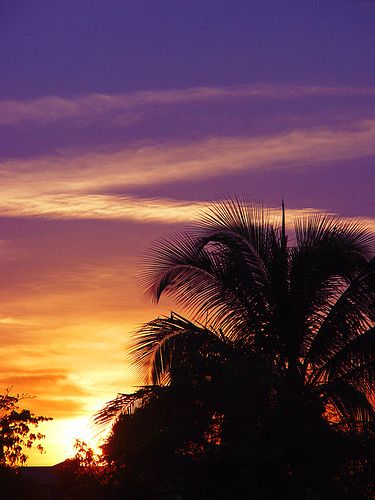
(60, 439)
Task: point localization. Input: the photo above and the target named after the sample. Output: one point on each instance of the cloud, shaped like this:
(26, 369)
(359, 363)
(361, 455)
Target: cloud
(53, 393)
(35, 379)
(76, 184)
(16, 321)
(94, 107)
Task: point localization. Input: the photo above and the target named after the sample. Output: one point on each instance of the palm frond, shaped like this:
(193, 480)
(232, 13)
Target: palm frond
(351, 404)
(122, 403)
(352, 363)
(214, 279)
(318, 228)
(241, 217)
(352, 314)
(165, 341)
(328, 257)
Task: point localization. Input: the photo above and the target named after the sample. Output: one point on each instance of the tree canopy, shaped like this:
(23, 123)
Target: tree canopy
(273, 372)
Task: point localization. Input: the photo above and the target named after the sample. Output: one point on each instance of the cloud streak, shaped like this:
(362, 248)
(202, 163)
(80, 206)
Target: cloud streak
(81, 185)
(93, 107)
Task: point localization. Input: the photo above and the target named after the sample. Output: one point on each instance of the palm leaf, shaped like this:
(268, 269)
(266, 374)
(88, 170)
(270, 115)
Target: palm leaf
(166, 341)
(122, 403)
(350, 403)
(328, 257)
(354, 363)
(351, 315)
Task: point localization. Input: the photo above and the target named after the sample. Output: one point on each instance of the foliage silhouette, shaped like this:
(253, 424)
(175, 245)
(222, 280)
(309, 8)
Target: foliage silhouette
(17, 435)
(278, 358)
(16, 430)
(85, 476)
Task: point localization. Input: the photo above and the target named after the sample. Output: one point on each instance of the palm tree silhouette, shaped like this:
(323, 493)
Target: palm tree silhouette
(281, 341)
(305, 311)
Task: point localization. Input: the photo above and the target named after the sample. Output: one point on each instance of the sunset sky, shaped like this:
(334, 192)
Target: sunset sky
(119, 121)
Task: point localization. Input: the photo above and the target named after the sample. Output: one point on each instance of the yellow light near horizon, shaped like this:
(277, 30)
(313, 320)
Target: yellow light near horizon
(60, 438)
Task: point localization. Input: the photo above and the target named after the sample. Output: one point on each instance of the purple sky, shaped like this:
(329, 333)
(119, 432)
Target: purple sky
(77, 47)
(119, 120)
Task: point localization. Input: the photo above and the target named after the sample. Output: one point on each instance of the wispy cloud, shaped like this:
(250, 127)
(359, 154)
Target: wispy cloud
(54, 385)
(16, 321)
(77, 184)
(93, 107)
(167, 211)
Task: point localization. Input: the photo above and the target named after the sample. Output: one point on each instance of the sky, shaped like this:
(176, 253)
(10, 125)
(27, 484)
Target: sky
(120, 121)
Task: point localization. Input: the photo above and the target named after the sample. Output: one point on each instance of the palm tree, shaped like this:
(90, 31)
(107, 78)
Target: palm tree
(277, 331)
(306, 310)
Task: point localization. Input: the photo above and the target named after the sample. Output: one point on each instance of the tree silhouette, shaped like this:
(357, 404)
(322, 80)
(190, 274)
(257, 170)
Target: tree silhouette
(17, 430)
(280, 347)
(18, 433)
